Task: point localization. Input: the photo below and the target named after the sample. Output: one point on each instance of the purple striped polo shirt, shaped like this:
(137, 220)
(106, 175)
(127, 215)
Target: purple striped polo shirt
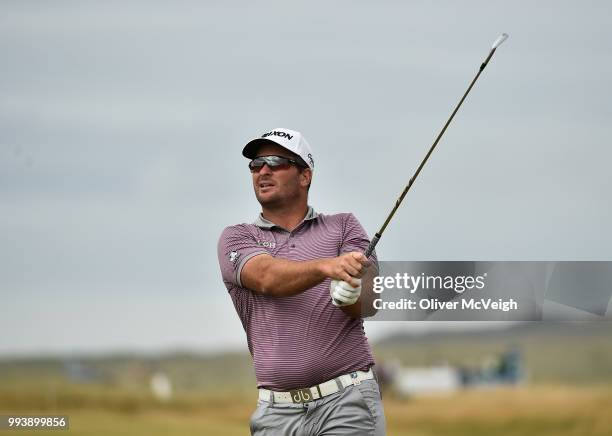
(301, 340)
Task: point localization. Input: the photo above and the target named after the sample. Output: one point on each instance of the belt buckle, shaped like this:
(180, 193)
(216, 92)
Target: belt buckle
(354, 379)
(301, 395)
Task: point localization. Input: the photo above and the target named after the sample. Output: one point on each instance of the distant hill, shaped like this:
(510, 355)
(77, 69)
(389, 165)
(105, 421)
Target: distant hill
(579, 352)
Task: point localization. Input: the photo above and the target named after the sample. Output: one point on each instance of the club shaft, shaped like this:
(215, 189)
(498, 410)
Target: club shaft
(379, 234)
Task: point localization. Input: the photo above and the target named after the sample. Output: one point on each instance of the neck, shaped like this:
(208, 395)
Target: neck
(287, 217)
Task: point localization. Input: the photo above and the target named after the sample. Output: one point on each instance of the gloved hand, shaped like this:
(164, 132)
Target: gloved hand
(343, 294)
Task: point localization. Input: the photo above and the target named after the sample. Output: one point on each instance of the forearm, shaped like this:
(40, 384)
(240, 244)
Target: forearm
(282, 278)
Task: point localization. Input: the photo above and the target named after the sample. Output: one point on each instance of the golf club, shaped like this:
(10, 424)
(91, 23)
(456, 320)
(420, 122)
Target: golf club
(378, 234)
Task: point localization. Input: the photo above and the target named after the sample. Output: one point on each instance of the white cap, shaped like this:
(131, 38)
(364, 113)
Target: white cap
(288, 139)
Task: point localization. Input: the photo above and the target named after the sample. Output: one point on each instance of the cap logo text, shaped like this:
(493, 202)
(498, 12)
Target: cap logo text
(277, 133)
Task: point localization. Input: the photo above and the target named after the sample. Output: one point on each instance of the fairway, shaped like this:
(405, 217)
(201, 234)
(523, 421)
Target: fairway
(568, 390)
(542, 410)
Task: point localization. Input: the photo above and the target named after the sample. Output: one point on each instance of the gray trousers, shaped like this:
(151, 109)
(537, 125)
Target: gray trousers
(356, 410)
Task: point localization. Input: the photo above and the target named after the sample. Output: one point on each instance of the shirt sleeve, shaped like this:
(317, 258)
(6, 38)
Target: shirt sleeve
(236, 246)
(356, 239)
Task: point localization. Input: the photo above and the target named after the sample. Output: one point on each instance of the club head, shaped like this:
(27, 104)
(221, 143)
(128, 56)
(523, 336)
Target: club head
(499, 40)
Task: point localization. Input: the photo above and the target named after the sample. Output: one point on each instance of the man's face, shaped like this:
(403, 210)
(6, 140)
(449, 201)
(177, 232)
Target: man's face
(274, 187)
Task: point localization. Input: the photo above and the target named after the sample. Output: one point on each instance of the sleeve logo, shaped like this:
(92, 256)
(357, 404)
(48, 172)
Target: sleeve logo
(233, 256)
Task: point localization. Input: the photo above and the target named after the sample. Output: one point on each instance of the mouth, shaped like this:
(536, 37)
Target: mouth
(265, 185)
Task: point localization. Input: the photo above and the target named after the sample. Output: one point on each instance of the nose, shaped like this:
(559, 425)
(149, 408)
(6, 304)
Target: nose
(265, 169)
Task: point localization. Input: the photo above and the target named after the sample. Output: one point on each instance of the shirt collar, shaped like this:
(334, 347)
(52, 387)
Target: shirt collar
(263, 223)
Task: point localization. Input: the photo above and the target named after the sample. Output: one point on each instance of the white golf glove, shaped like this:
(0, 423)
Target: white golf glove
(343, 294)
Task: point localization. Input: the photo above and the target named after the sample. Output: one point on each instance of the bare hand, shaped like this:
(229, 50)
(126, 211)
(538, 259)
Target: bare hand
(347, 267)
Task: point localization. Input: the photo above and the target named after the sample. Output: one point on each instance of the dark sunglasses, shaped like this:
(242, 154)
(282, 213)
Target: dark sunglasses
(273, 162)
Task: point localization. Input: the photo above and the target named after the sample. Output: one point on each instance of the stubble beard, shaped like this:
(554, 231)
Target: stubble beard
(278, 200)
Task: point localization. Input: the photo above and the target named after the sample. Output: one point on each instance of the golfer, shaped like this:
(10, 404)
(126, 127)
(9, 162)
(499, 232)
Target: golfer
(295, 277)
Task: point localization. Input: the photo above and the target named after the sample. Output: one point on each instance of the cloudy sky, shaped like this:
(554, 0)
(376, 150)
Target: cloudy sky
(121, 125)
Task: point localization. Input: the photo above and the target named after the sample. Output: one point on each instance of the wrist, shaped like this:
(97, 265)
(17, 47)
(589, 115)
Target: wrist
(322, 267)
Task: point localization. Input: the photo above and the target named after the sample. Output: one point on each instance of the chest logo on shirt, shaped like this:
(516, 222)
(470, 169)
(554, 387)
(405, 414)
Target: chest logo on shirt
(267, 244)
(233, 255)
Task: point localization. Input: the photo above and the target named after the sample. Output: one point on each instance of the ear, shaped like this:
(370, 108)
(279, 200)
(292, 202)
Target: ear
(305, 177)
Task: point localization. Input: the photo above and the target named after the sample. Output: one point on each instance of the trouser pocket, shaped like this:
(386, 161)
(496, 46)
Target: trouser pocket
(370, 394)
(256, 418)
